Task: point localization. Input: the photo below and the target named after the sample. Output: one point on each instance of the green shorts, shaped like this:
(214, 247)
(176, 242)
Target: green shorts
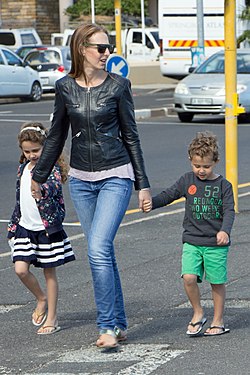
(197, 260)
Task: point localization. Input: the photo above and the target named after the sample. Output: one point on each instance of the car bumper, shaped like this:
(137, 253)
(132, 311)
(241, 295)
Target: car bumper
(199, 105)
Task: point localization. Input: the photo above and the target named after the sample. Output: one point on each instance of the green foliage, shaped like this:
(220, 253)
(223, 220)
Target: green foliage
(244, 16)
(105, 8)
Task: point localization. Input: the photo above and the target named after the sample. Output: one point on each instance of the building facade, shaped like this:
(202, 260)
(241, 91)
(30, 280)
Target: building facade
(45, 16)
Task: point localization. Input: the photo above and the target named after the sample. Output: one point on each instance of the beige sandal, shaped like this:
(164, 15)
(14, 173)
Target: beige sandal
(107, 339)
(120, 334)
(38, 315)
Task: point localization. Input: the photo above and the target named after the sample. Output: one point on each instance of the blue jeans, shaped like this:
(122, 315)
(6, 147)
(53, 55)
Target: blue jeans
(101, 206)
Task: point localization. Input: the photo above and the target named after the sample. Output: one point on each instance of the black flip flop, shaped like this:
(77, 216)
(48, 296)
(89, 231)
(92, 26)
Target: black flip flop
(222, 328)
(200, 324)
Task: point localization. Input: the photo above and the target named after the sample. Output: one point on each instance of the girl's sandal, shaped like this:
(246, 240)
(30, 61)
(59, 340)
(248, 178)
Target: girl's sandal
(36, 316)
(107, 339)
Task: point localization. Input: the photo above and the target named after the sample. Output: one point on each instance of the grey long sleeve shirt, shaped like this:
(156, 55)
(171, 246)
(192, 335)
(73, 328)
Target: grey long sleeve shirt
(209, 207)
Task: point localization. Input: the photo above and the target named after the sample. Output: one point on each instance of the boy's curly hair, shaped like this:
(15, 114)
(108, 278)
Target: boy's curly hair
(37, 133)
(204, 144)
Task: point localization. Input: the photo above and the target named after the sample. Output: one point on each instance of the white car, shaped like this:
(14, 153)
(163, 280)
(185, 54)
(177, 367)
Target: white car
(18, 79)
(203, 91)
(51, 63)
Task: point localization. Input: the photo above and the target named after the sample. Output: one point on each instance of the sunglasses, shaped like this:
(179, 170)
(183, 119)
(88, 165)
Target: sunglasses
(101, 48)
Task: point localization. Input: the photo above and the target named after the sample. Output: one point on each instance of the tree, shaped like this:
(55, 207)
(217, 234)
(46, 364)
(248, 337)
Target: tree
(244, 16)
(106, 8)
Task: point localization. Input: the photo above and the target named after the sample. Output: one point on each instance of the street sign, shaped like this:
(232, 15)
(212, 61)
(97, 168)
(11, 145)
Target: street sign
(117, 64)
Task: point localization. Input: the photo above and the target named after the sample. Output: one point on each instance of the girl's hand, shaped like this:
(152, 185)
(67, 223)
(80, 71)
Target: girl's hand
(11, 245)
(145, 197)
(147, 206)
(35, 190)
(222, 238)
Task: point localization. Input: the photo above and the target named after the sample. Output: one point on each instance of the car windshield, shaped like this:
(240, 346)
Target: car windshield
(44, 57)
(215, 64)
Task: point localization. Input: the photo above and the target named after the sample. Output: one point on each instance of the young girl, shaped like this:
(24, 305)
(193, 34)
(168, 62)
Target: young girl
(35, 231)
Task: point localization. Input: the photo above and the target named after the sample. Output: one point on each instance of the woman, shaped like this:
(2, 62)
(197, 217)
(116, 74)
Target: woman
(106, 158)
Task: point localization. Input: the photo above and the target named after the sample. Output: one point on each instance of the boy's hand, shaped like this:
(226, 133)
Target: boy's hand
(144, 195)
(147, 206)
(222, 238)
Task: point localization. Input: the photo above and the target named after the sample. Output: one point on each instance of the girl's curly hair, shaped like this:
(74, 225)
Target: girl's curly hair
(37, 133)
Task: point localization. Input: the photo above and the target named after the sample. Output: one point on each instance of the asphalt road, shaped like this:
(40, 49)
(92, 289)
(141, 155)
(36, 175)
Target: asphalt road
(148, 249)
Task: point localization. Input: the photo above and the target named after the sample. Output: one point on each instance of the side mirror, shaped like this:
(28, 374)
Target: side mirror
(191, 69)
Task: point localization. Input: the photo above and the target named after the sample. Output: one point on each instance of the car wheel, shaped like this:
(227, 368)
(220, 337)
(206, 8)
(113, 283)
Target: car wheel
(36, 92)
(185, 117)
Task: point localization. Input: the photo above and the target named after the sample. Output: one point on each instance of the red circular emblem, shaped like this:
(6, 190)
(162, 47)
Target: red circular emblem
(192, 189)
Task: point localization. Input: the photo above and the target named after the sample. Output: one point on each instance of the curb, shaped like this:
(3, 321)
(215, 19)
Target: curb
(156, 112)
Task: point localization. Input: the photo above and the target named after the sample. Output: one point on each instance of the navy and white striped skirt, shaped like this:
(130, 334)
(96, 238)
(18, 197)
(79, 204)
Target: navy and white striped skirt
(40, 249)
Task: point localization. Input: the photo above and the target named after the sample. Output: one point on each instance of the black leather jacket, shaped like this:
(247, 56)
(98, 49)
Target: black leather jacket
(104, 131)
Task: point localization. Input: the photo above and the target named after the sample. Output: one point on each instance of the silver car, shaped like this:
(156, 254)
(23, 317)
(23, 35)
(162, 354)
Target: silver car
(203, 91)
(17, 79)
(51, 62)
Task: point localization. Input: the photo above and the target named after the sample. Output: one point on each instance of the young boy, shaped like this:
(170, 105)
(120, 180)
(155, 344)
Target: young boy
(208, 220)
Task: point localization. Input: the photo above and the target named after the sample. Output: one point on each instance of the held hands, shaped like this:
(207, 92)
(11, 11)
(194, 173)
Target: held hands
(222, 238)
(145, 200)
(35, 190)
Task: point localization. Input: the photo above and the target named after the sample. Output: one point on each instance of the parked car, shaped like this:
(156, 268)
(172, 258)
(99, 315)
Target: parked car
(21, 51)
(51, 63)
(17, 79)
(15, 38)
(203, 91)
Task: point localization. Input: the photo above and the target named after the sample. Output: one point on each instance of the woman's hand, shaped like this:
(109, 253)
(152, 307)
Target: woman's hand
(35, 190)
(145, 200)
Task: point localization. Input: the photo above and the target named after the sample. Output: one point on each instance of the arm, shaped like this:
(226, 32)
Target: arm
(223, 236)
(15, 217)
(130, 136)
(54, 143)
(167, 196)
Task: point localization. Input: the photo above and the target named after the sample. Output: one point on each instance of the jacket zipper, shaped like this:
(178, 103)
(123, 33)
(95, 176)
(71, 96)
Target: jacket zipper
(77, 135)
(89, 130)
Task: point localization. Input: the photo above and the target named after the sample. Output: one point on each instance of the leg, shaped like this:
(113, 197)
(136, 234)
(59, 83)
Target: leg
(30, 281)
(52, 295)
(216, 274)
(193, 293)
(219, 295)
(101, 207)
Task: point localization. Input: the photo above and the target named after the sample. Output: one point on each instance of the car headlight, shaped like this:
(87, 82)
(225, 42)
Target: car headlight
(182, 89)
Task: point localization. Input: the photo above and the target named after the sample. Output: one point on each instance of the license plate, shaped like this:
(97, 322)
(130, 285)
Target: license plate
(45, 81)
(201, 101)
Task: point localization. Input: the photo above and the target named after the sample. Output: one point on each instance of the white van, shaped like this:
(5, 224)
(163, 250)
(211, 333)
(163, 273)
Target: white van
(15, 38)
(133, 48)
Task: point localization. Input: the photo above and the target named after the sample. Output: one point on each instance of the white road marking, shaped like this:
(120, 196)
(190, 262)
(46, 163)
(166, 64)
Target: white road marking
(147, 357)
(8, 113)
(231, 304)
(6, 308)
(20, 120)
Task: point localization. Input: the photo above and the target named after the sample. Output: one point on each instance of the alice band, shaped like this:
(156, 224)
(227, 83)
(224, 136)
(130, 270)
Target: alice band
(37, 128)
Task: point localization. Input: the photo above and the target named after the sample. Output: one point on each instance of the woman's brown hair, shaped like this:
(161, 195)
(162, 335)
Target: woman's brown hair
(81, 36)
